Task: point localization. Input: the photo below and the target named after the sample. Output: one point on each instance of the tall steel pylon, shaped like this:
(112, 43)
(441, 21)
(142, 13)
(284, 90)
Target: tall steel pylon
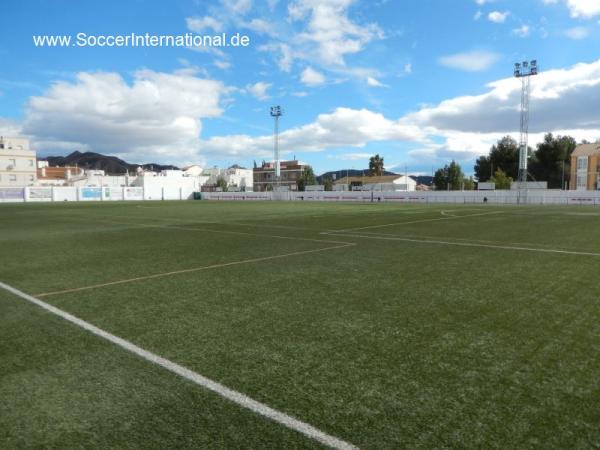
(276, 113)
(524, 71)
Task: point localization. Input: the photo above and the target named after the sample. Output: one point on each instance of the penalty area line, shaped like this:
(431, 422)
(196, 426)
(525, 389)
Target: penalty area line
(219, 389)
(446, 217)
(193, 269)
(461, 244)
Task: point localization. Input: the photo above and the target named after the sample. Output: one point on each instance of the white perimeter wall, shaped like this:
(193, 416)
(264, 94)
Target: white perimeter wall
(532, 197)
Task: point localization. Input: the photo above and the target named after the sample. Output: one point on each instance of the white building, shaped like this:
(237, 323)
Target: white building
(238, 177)
(98, 178)
(168, 184)
(379, 183)
(193, 171)
(17, 162)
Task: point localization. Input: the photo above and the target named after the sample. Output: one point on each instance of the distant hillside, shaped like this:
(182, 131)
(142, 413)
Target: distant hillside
(97, 161)
(423, 179)
(351, 173)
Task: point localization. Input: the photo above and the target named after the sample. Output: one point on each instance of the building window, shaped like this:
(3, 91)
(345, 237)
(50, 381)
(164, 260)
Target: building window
(31, 178)
(12, 162)
(12, 178)
(31, 163)
(582, 163)
(581, 182)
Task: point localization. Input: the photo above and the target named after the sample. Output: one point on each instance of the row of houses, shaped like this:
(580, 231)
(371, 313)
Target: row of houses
(19, 167)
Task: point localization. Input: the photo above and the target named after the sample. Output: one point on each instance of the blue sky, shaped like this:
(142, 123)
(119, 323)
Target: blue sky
(421, 83)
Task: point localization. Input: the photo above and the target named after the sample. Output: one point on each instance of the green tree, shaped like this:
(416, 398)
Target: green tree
(551, 161)
(376, 165)
(306, 179)
(501, 179)
(504, 156)
(221, 183)
(469, 184)
(449, 177)
(328, 184)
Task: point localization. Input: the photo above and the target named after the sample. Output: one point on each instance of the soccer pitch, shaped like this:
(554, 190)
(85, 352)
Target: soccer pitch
(377, 325)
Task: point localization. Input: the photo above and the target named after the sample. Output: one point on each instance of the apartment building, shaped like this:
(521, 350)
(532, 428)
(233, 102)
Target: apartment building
(585, 167)
(291, 172)
(17, 162)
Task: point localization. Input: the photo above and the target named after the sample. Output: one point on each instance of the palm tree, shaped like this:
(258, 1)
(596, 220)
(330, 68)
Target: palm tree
(376, 165)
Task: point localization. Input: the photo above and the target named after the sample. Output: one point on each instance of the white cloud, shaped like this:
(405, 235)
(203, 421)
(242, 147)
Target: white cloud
(330, 35)
(222, 64)
(374, 82)
(260, 26)
(352, 156)
(201, 24)
(523, 31)
(259, 90)
(563, 101)
(408, 68)
(344, 127)
(474, 61)
(584, 8)
(560, 99)
(477, 15)
(284, 52)
(577, 33)
(240, 7)
(497, 16)
(483, 2)
(10, 128)
(157, 116)
(311, 77)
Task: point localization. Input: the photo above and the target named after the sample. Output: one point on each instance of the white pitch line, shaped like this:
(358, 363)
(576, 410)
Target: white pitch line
(208, 230)
(462, 244)
(219, 389)
(476, 241)
(193, 269)
(418, 221)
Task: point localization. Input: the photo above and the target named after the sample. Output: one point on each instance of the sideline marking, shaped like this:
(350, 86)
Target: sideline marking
(418, 221)
(230, 394)
(193, 269)
(463, 244)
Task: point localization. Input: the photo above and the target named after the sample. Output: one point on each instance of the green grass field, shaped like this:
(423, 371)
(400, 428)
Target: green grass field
(386, 326)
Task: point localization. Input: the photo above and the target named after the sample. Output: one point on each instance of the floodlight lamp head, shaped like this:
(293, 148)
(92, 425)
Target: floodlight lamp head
(525, 64)
(276, 111)
(517, 71)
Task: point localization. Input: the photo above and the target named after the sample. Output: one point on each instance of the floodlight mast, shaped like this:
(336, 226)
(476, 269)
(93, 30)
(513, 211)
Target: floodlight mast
(524, 71)
(276, 113)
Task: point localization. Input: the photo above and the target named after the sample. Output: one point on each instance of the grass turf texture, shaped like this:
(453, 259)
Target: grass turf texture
(385, 344)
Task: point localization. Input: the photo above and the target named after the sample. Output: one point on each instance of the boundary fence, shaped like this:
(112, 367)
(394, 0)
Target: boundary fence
(530, 197)
(91, 194)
